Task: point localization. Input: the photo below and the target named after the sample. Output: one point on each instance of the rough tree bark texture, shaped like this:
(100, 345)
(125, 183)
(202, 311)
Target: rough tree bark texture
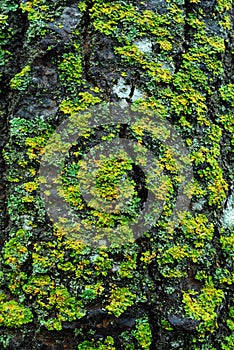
(173, 287)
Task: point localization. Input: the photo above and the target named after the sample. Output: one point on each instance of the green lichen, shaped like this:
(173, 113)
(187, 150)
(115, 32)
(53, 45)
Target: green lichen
(14, 315)
(120, 299)
(203, 307)
(68, 277)
(21, 80)
(143, 334)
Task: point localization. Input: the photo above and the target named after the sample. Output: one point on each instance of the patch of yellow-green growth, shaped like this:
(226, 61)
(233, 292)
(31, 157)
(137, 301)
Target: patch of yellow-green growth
(155, 70)
(224, 5)
(36, 146)
(166, 325)
(17, 279)
(218, 189)
(227, 243)
(195, 23)
(143, 334)
(14, 315)
(66, 308)
(70, 69)
(109, 175)
(226, 23)
(225, 276)
(38, 285)
(35, 9)
(46, 256)
(31, 186)
(216, 184)
(109, 185)
(188, 102)
(107, 16)
(206, 52)
(15, 253)
(216, 44)
(82, 103)
(21, 80)
(202, 307)
(3, 18)
(197, 228)
(82, 6)
(127, 267)
(147, 257)
(75, 245)
(91, 292)
(169, 161)
(229, 343)
(227, 121)
(106, 344)
(230, 320)
(120, 299)
(151, 103)
(176, 14)
(227, 93)
(71, 189)
(102, 263)
(176, 252)
(168, 272)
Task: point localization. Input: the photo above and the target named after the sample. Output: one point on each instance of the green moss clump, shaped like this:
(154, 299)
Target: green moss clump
(203, 307)
(120, 299)
(14, 315)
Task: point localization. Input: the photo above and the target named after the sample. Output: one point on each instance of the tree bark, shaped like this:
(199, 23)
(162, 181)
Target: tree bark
(169, 66)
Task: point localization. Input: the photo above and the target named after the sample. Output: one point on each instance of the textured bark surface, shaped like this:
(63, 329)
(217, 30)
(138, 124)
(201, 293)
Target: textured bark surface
(172, 288)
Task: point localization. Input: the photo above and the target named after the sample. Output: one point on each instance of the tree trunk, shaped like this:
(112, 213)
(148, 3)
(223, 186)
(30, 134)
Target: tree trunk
(125, 245)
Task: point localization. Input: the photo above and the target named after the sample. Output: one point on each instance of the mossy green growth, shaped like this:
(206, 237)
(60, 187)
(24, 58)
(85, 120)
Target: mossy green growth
(120, 299)
(64, 270)
(14, 315)
(7, 33)
(65, 307)
(227, 93)
(143, 334)
(224, 5)
(105, 344)
(230, 320)
(227, 242)
(83, 102)
(36, 9)
(112, 183)
(70, 69)
(197, 228)
(15, 253)
(229, 340)
(21, 80)
(203, 306)
(128, 267)
(155, 70)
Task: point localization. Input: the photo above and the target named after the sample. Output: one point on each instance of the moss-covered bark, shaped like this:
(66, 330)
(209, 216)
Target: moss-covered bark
(172, 287)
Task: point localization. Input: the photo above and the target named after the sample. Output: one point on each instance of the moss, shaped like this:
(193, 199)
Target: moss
(84, 101)
(106, 344)
(120, 299)
(203, 306)
(143, 334)
(66, 308)
(14, 315)
(70, 69)
(66, 276)
(227, 93)
(15, 253)
(21, 80)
